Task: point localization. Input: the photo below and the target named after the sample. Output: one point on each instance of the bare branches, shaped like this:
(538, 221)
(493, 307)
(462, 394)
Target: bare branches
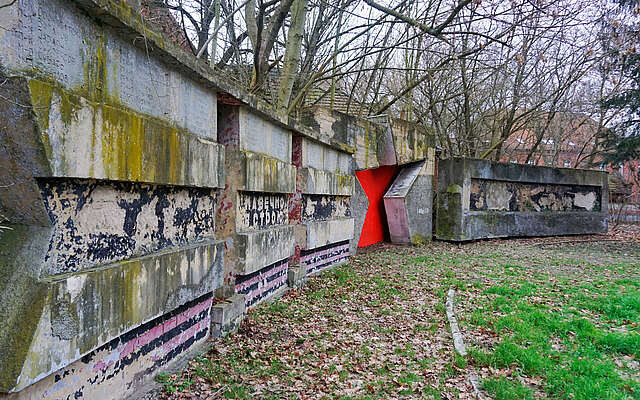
(223, 23)
(12, 2)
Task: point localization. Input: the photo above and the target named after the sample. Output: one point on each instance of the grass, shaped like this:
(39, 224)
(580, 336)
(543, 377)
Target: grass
(539, 321)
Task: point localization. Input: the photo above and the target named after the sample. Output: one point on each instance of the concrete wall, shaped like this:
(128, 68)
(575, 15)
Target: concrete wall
(109, 182)
(139, 186)
(253, 207)
(408, 204)
(322, 205)
(482, 199)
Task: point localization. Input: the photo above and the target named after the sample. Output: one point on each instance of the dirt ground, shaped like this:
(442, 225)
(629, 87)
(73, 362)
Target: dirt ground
(550, 317)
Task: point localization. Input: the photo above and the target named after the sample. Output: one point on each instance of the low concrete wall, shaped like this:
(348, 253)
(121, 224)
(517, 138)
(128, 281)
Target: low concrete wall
(139, 187)
(482, 199)
(408, 204)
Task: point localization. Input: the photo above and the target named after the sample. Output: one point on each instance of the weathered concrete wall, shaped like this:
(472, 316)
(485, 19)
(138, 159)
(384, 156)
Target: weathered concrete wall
(139, 186)
(118, 368)
(253, 211)
(482, 199)
(383, 142)
(109, 178)
(408, 204)
(322, 204)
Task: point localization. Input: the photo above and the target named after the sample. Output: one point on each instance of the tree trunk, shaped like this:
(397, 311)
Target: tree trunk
(292, 52)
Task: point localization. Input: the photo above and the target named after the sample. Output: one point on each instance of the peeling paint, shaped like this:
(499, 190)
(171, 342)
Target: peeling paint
(516, 196)
(96, 222)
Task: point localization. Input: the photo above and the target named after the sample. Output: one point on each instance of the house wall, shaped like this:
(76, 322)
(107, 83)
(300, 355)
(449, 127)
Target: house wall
(482, 199)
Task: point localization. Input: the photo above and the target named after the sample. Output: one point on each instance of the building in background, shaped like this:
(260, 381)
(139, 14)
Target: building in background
(570, 141)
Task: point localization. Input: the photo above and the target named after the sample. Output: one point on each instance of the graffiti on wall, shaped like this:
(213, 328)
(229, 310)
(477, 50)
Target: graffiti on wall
(263, 283)
(260, 210)
(317, 207)
(98, 222)
(113, 367)
(321, 258)
(515, 196)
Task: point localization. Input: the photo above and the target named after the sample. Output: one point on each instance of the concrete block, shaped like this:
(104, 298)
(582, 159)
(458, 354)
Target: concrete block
(258, 135)
(260, 248)
(411, 142)
(359, 207)
(227, 316)
(74, 314)
(88, 139)
(324, 182)
(321, 233)
(408, 204)
(322, 157)
(483, 199)
(297, 276)
(266, 283)
(328, 256)
(267, 174)
(96, 62)
(128, 363)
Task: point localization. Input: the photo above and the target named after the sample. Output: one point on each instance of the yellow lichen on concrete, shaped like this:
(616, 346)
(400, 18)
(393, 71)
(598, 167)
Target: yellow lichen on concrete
(89, 139)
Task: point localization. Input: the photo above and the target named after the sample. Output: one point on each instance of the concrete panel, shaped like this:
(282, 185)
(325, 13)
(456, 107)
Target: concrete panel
(98, 222)
(267, 174)
(482, 199)
(396, 212)
(257, 210)
(260, 248)
(84, 139)
(366, 155)
(61, 43)
(411, 142)
(316, 207)
(359, 207)
(419, 203)
(408, 204)
(312, 154)
(323, 182)
(85, 310)
(322, 157)
(258, 135)
(264, 283)
(321, 233)
(118, 369)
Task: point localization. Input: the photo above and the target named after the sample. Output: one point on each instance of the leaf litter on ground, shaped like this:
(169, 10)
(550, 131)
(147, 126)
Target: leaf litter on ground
(375, 328)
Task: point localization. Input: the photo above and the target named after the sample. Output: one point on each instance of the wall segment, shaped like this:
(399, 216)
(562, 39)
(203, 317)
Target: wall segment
(140, 186)
(109, 185)
(482, 199)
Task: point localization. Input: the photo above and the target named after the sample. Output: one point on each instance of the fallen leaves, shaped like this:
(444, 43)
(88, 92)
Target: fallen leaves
(376, 327)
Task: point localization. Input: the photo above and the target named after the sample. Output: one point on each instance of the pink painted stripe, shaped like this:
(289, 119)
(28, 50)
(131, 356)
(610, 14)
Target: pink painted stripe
(262, 276)
(258, 292)
(328, 260)
(323, 252)
(129, 347)
(320, 260)
(184, 336)
(312, 269)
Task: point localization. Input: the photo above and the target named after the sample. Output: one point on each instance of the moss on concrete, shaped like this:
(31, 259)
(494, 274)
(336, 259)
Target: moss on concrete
(23, 299)
(131, 146)
(420, 239)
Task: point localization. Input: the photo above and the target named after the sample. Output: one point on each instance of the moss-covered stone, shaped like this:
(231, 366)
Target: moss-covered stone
(121, 144)
(23, 297)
